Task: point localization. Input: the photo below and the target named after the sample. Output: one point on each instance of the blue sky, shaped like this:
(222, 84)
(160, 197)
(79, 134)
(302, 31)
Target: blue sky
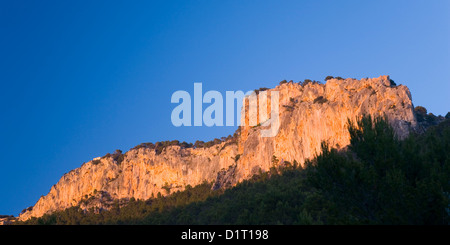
(80, 79)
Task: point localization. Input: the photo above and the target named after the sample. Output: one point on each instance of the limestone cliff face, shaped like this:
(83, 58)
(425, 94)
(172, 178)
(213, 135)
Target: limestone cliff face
(142, 174)
(312, 113)
(309, 114)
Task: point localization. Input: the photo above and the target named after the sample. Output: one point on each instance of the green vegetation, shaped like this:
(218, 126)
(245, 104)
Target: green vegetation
(260, 89)
(378, 180)
(167, 188)
(289, 107)
(393, 84)
(320, 100)
(236, 158)
(428, 119)
(328, 78)
(96, 161)
(117, 156)
(274, 160)
(160, 146)
(382, 180)
(309, 81)
(306, 81)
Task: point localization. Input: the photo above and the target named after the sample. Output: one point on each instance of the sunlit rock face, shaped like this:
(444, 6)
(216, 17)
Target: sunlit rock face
(308, 114)
(142, 174)
(312, 113)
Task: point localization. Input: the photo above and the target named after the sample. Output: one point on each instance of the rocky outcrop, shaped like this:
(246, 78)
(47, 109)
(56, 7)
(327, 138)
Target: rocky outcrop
(309, 114)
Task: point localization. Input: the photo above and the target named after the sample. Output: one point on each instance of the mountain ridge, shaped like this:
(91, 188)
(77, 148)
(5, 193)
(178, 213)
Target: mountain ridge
(310, 113)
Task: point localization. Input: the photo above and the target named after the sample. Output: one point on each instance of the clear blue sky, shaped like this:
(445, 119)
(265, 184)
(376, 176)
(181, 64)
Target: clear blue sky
(80, 79)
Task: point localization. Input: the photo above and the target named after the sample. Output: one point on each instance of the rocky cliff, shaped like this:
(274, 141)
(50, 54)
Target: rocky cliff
(309, 114)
